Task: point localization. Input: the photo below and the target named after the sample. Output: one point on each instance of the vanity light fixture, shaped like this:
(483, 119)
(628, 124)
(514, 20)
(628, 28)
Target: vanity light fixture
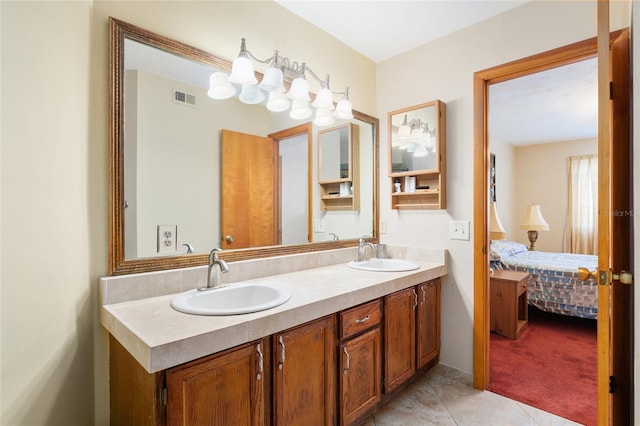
(221, 86)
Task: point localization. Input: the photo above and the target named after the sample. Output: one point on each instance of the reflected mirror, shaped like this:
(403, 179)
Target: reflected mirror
(335, 154)
(166, 200)
(414, 133)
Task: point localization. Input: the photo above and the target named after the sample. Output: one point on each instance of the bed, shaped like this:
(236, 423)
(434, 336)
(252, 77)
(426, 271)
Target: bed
(553, 282)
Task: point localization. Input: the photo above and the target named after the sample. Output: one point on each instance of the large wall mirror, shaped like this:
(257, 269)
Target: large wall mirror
(166, 164)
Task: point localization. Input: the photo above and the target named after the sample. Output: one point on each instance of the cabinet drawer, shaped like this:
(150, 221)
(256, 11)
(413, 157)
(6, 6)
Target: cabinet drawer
(355, 320)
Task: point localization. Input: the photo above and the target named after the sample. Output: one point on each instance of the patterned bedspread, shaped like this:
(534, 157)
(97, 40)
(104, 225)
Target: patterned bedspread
(553, 283)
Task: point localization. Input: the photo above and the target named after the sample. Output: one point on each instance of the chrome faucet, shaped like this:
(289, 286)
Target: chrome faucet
(213, 272)
(362, 246)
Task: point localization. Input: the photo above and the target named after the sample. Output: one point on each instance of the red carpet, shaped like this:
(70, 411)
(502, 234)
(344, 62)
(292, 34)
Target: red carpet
(551, 367)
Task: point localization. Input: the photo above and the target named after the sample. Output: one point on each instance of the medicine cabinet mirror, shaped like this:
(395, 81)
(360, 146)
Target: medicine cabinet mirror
(338, 168)
(417, 162)
(334, 147)
(194, 206)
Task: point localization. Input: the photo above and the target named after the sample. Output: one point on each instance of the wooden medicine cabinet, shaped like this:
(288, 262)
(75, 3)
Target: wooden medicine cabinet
(417, 161)
(338, 167)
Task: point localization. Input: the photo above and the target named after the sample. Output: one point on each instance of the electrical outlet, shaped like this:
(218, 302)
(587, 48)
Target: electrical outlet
(318, 225)
(167, 238)
(383, 226)
(459, 230)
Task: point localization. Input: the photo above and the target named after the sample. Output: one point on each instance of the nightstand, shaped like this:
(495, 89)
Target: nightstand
(508, 302)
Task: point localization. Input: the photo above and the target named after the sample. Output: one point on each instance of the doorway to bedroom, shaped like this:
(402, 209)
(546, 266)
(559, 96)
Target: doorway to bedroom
(538, 125)
(614, 115)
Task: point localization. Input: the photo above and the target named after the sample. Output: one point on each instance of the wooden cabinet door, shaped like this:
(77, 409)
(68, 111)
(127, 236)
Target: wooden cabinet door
(428, 322)
(304, 374)
(224, 389)
(359, 375)
(399, 337)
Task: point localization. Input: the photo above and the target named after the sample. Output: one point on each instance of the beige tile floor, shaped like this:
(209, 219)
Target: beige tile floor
(445, 396)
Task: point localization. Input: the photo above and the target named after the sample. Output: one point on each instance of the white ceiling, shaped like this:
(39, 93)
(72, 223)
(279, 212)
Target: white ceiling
(555, 105)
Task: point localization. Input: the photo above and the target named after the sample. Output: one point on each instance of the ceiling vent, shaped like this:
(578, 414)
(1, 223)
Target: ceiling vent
(184, 98)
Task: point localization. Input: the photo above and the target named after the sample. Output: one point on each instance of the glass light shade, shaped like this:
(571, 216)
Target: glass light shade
(251, 94)
(420, 151)
(220, 87)
(496, 230)
(278, 102)
(324, 99)
(273, 80)
(417, 135)
(533, 220)
(299, 90)
(343, 110)
(300, 110)
(242, 71)
(404, 132)
(324, 117)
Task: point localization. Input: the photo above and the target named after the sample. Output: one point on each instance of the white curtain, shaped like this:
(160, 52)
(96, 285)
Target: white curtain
(582, 222)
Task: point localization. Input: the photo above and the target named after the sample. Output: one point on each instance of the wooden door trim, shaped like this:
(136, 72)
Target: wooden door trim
(481, 80)
(289, 133)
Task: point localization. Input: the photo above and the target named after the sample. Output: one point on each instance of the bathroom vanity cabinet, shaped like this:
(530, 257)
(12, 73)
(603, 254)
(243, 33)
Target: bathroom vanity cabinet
(412, 332)
(337, 369)
(360, 352)
(236, 375)
(304, 374)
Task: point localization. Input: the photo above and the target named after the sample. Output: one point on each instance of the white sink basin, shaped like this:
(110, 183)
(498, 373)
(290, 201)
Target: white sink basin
(384, 265)
(231, 300)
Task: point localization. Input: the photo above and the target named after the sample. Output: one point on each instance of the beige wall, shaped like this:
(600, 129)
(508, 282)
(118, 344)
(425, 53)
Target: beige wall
(541, 177)
(443, 69)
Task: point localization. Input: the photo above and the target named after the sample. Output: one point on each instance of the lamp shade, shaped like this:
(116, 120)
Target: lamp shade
(251, 94)
(220, 87)
(300, 110)
(278, 102)
(323, 117)
(533, 220)
(324, 99)
(299, 90)
(273, 80)
(242, 71)
(343, 110)
(496, 230)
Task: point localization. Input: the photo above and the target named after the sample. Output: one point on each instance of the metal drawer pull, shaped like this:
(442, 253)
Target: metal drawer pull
(365, 319)
(260, 361)
(415, 295)
(346, 367)
(423, 294)
(281, 353)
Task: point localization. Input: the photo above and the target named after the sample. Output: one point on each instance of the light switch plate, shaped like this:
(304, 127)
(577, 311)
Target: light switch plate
(318, 225)
(459, 230)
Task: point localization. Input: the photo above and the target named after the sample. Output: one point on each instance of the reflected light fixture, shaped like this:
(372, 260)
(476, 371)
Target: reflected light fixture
(413, 136)
(296, 100)
(496, 230)
(534, 222)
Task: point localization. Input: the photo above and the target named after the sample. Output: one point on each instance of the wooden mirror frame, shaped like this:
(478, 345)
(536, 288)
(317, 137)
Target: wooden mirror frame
(118, 265)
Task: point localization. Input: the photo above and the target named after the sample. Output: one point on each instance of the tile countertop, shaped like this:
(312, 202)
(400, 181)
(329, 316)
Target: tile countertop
(160, 337)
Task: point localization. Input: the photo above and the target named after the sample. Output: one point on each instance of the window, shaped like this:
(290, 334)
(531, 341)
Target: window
(582, 222)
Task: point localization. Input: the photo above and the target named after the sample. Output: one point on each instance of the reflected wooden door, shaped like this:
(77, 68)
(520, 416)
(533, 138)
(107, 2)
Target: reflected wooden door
(249, 191)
